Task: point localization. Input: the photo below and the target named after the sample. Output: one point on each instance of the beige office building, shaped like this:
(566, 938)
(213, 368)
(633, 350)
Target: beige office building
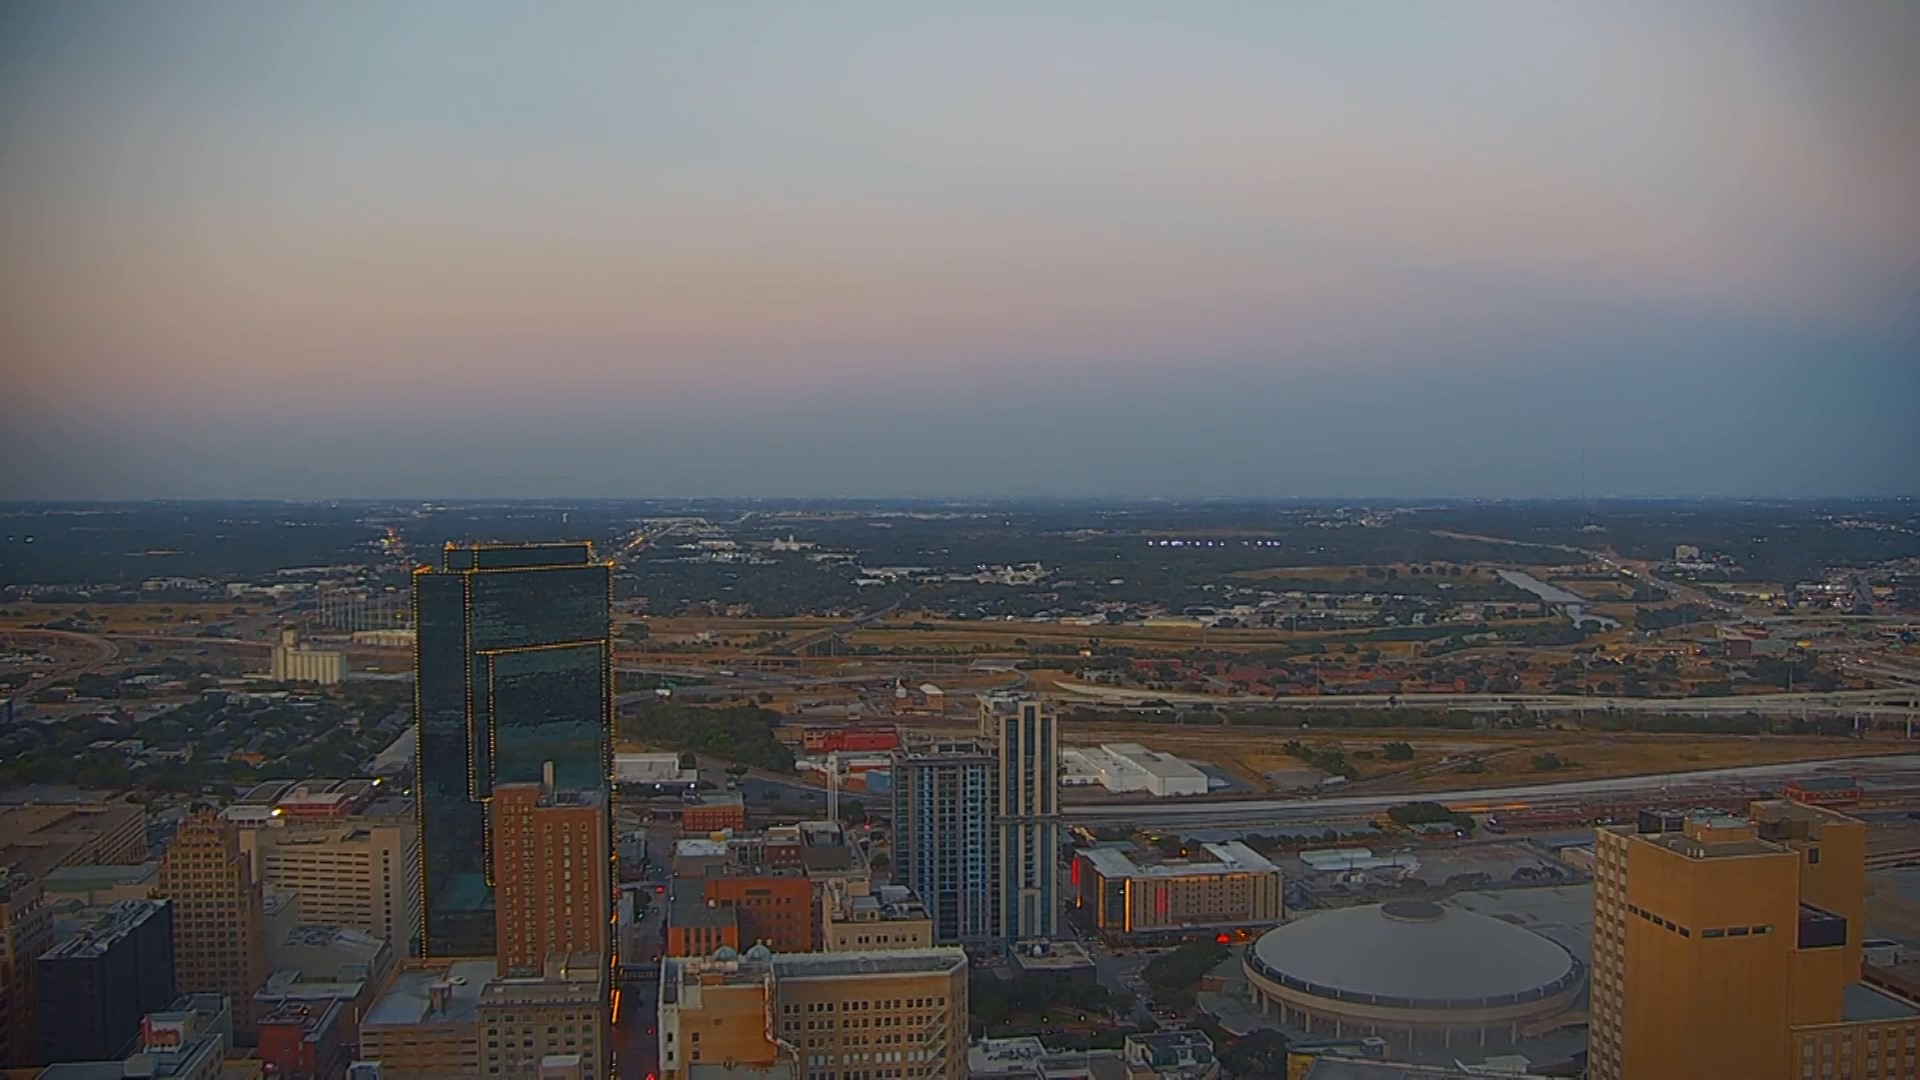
(889, 917)
(830, 1016)
(363, 874)
(1731, 946)
(563, 1012)
(219, 925)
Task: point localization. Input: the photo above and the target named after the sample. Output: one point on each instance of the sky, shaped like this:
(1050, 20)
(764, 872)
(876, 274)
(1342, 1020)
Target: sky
(477, 249)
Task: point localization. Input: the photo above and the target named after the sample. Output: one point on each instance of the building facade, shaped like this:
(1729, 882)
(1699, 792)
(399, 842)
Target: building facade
(833, 1016)
(943, 837)
(97, 986)
(550, 874)
(1026, 814)
(364, 875)
(304, 1041)
(559, 1012)
(889, 917)
(773, 908)
(1227, 886)
(293, 662)
(26, 931)
(219, 926)
(513, 669)
(38, 838)
(1731, 946)
(425, 1024)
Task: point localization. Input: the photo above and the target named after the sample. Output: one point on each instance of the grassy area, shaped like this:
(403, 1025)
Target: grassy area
(1507, 758)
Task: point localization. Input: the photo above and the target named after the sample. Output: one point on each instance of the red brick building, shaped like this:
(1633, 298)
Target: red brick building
(303, 1042)
(772, 909)
(552, 872)
(716, 814)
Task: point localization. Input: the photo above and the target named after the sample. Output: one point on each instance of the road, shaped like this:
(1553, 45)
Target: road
(1279, 811)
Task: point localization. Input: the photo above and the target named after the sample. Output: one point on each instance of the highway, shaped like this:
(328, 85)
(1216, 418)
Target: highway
(1254, 812)
(1895, 698)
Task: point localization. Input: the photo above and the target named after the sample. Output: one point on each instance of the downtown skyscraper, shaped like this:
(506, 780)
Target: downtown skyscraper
(1026, 813)
(513, 669)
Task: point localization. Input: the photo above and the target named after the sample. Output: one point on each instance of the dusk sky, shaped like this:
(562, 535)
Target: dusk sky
(473, 249)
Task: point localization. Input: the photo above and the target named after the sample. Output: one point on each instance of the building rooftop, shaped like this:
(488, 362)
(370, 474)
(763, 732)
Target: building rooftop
(1232, 857)
(1827, 783)
(103, 927)
(1414, 954)
(431, 993)
(729, 968)
(568, 977)
(700, 847)
(86, 878)
(1859, 1001)
(689, 910)
(1340, 1068)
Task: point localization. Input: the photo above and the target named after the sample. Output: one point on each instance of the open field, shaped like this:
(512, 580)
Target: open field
(1251, 753)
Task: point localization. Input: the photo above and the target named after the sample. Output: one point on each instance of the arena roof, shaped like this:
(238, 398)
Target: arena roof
(1414, 954)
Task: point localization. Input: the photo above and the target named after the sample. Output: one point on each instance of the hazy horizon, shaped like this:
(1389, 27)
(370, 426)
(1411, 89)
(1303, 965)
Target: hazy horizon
(484, 250)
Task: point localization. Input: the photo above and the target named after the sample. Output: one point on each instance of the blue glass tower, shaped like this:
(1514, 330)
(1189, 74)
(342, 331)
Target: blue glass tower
(513, 668)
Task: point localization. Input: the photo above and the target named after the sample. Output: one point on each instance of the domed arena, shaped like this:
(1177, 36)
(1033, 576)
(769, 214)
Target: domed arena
(1415, 973)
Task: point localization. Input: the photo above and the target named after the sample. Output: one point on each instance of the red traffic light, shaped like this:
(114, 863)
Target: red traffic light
(1222, 939)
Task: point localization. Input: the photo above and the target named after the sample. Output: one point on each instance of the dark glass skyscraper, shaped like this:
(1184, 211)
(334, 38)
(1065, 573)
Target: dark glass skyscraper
(513, 668)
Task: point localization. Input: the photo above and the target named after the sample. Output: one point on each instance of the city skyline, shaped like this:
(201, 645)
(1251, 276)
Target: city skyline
(651, 250)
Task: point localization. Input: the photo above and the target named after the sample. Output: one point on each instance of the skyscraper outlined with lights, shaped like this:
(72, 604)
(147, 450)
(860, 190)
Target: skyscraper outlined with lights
(513, 668)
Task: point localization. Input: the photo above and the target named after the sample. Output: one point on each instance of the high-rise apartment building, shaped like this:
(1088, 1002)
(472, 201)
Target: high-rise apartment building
(513, 668)
(97, 986)
(363, 874)
(550, 875)
(219, 927)
(834, 1016)
(1025, 737)
(943, 837)
(1728, 946)
(26, 931)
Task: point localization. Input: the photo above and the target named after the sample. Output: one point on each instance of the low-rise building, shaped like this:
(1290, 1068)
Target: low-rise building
(698, 928)
(1222, 886)
(1130, 767)
(188, 1041)
(425, 1023)
(302, 1041)
(1177, 1054)
(715, 812)
(561, 1013)
(889, 917)
(826, 1014)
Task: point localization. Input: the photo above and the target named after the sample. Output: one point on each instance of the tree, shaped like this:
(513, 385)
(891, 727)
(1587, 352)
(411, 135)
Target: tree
(1397, 751)
(636, 631)
(689, 760)
(880, 861)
